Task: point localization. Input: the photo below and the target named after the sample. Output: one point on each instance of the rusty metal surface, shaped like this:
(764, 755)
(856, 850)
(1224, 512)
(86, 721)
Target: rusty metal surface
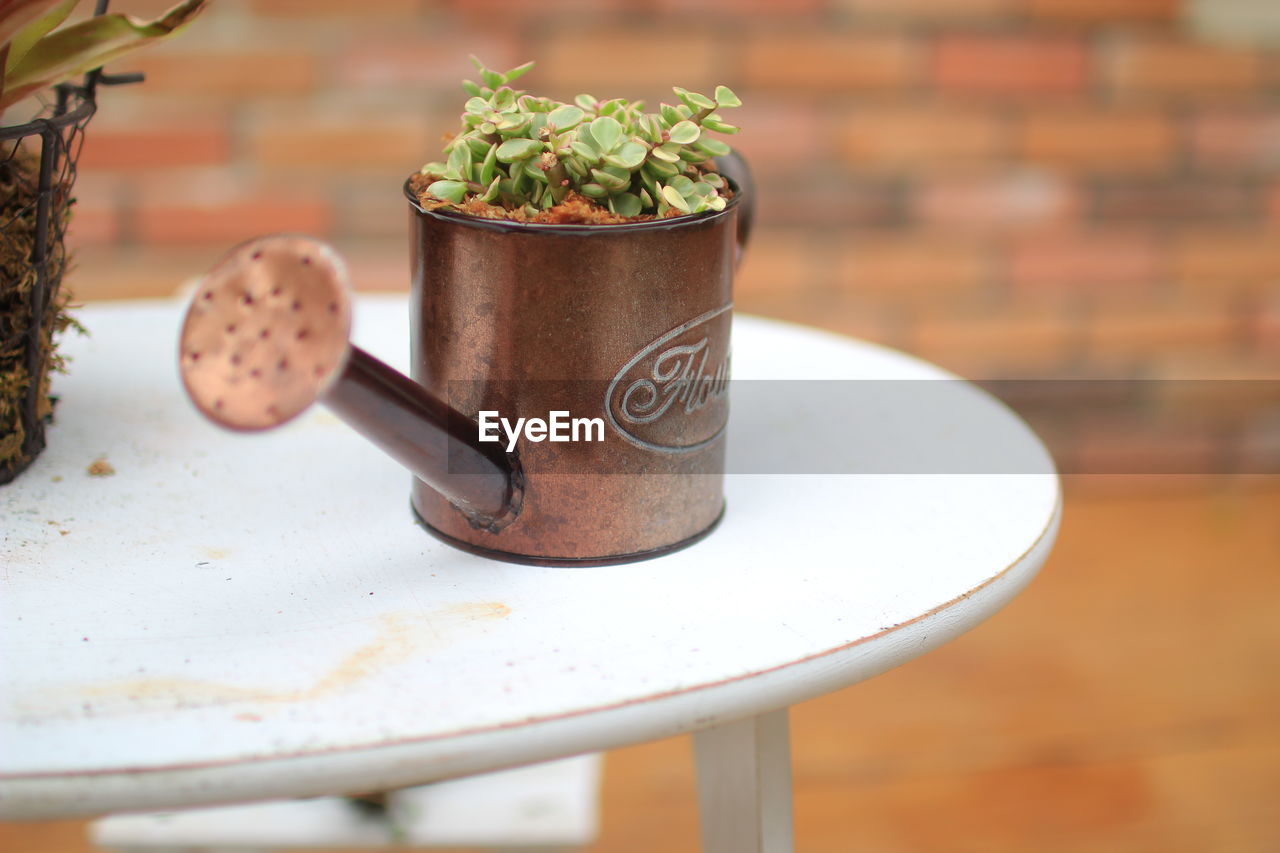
(526, 319)
(628, 324)
(266, 333)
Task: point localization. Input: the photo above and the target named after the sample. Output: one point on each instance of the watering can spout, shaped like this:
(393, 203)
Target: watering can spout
(268, 334)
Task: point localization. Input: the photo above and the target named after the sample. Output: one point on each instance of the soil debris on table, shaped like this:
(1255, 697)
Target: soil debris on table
(100, 467)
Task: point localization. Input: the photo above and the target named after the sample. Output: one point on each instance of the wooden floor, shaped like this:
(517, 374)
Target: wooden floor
(1128, 701)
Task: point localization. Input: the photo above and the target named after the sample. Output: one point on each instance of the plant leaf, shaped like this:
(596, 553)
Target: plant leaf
(16, 15)
(518, 149)
(490, 165)
(607, 133)
(565, 117)
(454, 191)
(518, 72)
(628, 156)
(73, 50)
(626, 204)
(585, 150)
(726, 98)
(685, 132)
(714, 147)
(675, 199)
(608, 181)
(36, 30)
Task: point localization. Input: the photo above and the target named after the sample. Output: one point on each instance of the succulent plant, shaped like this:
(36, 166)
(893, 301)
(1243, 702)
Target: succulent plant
(526, 154)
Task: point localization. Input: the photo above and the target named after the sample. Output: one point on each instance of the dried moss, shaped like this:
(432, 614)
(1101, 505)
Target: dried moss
(18, 277)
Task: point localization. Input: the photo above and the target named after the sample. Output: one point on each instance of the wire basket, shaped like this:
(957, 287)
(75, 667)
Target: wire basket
(37, 170)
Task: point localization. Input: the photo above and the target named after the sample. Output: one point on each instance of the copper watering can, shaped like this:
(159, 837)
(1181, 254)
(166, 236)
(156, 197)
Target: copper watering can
(621, 328)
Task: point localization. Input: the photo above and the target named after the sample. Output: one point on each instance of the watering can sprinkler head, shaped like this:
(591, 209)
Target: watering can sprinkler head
(268, 334)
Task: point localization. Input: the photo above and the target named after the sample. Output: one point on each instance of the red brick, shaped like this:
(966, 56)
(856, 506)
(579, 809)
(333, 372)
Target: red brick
(1010, 65)
(1106, 11)
(997, 343)
(753, 8)
(225, 222)
(1212, 258)
(343, 144)
(1266, 330)
(154, 146)
(836, 62)
(776, 262)
(1181, 69)
(238, 73)
(822, 203)
(1273, 204)
(1147, 333)
(773, 131)
(1237, 140)
(1015, 198)
(438, 60)
(1153, 451)
(1090, 262)
(930, 11)
(93, 225)
(611, 63)
(336, 8)
(1100, 141)
(913, 268)
(1176, 200)
(911, 139)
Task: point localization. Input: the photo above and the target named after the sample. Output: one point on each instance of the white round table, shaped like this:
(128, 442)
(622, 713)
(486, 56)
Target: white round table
(239, 617)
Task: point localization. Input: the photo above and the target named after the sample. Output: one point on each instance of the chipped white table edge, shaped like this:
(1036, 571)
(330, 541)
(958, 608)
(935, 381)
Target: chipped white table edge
(741, 720)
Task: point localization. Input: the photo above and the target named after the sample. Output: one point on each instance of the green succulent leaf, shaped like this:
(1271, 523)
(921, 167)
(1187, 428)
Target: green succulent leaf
(726, 98)
(565, 117)
(673, 198)
(626, 204)
(534, 171)
(489, 167)
(491, 193)
(459, 161)
(610, 181)
(684, 132)
(693, 100)
(660, 168)
(713, 147)
(471, 88)
(607, 133)
(593, 191)
(585, 150)
(712, 123)
(454, 191)
(504, 98)
(681, 184)
(519, 71)
(628, 156)
(668, 152)
(518, 149)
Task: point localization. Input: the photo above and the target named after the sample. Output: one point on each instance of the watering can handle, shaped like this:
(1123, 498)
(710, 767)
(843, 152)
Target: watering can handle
(734, 167)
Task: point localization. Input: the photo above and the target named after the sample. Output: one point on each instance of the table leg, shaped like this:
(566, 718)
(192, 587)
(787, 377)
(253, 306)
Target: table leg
(744, 785)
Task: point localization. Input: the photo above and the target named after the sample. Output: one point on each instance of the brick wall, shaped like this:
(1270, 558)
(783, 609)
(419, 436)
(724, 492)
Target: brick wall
(1031, 188)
